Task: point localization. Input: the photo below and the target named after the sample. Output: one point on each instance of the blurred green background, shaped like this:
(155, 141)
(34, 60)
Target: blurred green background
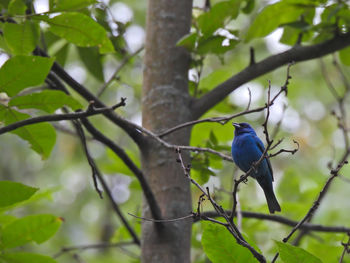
(65, 182)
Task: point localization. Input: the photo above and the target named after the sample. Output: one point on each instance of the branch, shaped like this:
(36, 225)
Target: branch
(341, 117)
(269, 142)
(156, 212)
(97, 173)
(254, 215)
(316, 204)
(91, 246)
(182, 147)
(127, 126)
(282, 220)
(297, 53)
(221, 120)
(161, 220)
(334, 174)
(117, 209)
(346, 249)
(91, 161)
(224, 120)
(60, 117)
(230, 225)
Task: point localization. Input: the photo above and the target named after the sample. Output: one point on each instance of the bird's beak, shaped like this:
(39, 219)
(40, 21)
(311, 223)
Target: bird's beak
(236, 124)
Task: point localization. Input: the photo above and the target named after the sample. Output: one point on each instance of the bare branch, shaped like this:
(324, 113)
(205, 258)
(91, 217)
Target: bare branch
(91, 161)
(91, 246)
(269, 142)
(59, 117)
(97, 173)
(230, 225)
(334, 174)
(128, 127)
(161, 220)
(147, 191)
(346, 249)
(224, 120)
(285, 150)
(296, 53)
(281, 220)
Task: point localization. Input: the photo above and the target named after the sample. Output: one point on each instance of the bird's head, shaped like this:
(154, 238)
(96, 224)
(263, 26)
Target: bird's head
(243, 127)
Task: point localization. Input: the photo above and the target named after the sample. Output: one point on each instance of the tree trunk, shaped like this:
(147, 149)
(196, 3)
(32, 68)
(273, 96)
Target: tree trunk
(166, 103)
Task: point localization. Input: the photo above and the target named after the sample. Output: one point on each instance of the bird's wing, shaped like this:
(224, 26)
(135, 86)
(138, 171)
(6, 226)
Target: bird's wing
(260, 145)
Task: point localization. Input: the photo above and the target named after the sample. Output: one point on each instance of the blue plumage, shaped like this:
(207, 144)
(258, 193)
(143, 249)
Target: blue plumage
(247, 148)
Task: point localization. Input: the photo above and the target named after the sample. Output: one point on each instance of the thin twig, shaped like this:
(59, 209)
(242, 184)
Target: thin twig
(147, 191)
(346, 249)
(161, 220)
(269, 142)
(91, 162)
(230, 226)
(60, 117)
(117, 209)
(116, 72)
(91, 246)
(222, 120)
(97, 174)
(281, 220)
(334, 174)
(127, 126)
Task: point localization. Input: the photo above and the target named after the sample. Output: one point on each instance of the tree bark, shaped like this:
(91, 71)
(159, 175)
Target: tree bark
(166, 103)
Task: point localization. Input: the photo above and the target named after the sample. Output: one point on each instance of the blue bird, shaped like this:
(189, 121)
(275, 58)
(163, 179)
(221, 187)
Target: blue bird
(247, 149)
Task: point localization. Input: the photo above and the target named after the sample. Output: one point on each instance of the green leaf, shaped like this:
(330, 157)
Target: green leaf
(92, 61)
(17, 7)
(70, 5)
(200, 176)
(213, 138)
(210, 21)
(38, 228)
(21, 257)
(6, 218)
(21, 38)
(270, 19)
(80, 30)
(188, 41)
(200, 169)
(41, 136)
(344, 56)
(290, 36)
(214, 45)
(213, 79)
(249, 6)
(221, 247)
(292, 254)
(13, 192)
(3, 45)
(21, 72)
(62, 54)
(47, 100)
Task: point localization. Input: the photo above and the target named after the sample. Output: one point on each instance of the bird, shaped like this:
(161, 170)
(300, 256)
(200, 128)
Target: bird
(246, 150)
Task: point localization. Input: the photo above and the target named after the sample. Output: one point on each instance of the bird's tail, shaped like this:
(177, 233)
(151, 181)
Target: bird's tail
(272, 202)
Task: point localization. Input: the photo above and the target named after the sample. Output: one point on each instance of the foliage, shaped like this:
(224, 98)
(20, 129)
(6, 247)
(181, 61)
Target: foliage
(291, 254)
(16, 232)
(220, 246)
